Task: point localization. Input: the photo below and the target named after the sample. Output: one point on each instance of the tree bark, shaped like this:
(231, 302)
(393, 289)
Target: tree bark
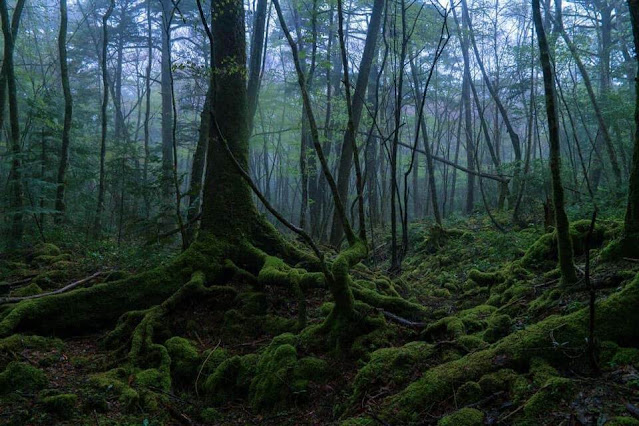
(564, 243)
(346, 154)
(68, 112)
(631, 222)
(16, 196)
(97, 224)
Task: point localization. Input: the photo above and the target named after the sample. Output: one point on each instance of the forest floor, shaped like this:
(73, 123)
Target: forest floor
(500, 342)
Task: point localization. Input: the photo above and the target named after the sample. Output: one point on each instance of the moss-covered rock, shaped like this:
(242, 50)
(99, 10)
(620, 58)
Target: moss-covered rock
(46, 249)
(62, 405)
(486, 279)
(29, 290)
(541, 371)
(463, 417)
(498, 326)
(468, 393)
(618, 318)
(19, 376)
(626, 356)
(501, 380)
(390, 366)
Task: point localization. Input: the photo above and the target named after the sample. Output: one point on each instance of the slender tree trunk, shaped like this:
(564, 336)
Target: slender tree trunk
(68, 111)
(631, 222)
(147, 109)
(429, 158)
(167, 115)
(564, 243)
(603, 128)
(97, 225)
(346, 154)
(255, 59)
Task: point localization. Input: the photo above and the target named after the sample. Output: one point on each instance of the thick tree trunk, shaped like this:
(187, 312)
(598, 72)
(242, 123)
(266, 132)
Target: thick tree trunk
(68, 111)
(228, 210)
(564, 243)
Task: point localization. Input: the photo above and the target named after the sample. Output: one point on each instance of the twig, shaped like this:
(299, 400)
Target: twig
(632, 410)
(51, 293)
(402, 321)
(199, 373)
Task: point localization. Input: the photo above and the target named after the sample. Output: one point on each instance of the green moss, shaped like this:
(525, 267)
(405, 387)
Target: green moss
(44, 259)
(471, 343)
(444, 329)
(62, 405)
(441, 292)
(463, 417)
(62, 264)
(185, 359)
(252, 303)
(541, 371)
(46, 249)
(231, 379)
(391, 366)
(366, 343)
(468, 393)
(501, 380)
(555, 391)
(498, 327)
(623, 421)
(49, 279)
(30, 290)
(115, 382)
(19, 376)
(18, 342)
(486, 279)
(211, 415)
(626, 356)
(280, 376)
(618, 318)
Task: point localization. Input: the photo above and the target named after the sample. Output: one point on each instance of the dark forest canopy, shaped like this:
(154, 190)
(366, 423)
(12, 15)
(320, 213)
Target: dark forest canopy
(319, 212)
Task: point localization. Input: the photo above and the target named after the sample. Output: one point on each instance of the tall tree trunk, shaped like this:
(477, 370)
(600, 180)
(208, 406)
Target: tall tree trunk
(97, 225)
(564, 243)
(228, 210)
(255, 59)
(147, 109)
(429, 158)
(631, 222)
(68, 111)
(15, 23)
(16, 196)
(346, 154)
(167, 115)
(603, 128)
(514, 137)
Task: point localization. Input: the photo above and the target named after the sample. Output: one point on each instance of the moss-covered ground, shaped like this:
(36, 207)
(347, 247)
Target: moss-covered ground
(486, 334)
